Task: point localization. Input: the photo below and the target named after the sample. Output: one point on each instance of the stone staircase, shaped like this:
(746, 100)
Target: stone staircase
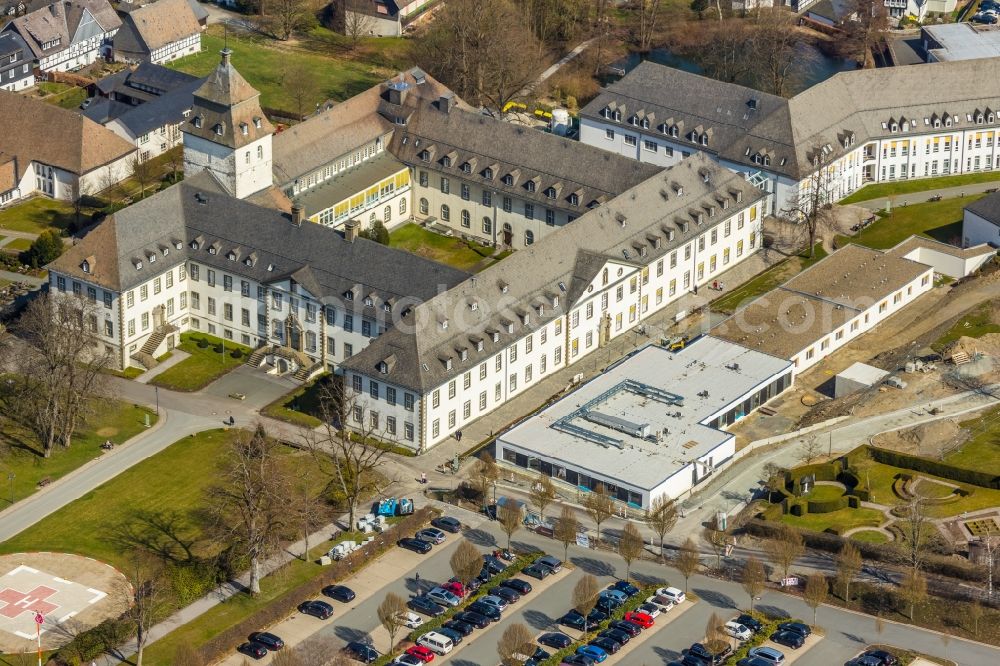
(305, 373)
(257, 357)
(145, 360)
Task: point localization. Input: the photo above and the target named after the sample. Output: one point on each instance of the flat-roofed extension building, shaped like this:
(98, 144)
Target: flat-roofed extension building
(653, 425)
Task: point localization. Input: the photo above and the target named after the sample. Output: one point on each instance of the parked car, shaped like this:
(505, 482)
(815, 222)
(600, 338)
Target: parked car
(737, 631)
(451, 634)
(624, 586)
(798, 627)
(768, 654)
(448, 524)
(618, 596)
(268, 640)
(629, 628)
(339, 592)
(578, 660)
(660, 602)
(431, 534)
(575, 620)
(555, 640)
(791, 639)
(652, 610)
(537, 657)
(488, 610)
(424, 654)
(750, 622)
(609, 645)
(508, 594)
(640, 619)
(439, 595)
(607, 605)
(592, 651)
(252, 649)
(886, 658)
(459, 627)
(455, 587)
(425, 605)
(536, 570)
(673, 594)
(864, 660)
(687, 660)
(410, 620)
(754, 661)
(416, 545)
(319, 609)
(477, 620)
(617, 635)
(406, 660)
(497, 602)
(469, 587)
(708, 656)
(521, 586)
(553, 563)
(494, 564)
(362, 652)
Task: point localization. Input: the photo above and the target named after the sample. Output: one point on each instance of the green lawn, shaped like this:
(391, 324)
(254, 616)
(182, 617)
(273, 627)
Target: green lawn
(448, 250)
(870, 536)
(886, 190)
(766, 281)
(264, 63)
(881, 484)
(18, 245)
(38, 214)
(297, 406)
(842, 519)
(204, 366)
(974, 324)
(21, 454)
(982, 451)
(62, 94)
(823, 493)
(940, 220)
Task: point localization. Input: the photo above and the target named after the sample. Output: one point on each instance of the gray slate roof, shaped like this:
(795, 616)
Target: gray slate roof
(987, 208)
(167, 109)
(791, 131)
(557, 267)
(196, 210)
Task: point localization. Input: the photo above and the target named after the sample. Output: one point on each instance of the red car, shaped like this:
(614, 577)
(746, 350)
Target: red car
(420, 652)
(455, 588)
(642, 619)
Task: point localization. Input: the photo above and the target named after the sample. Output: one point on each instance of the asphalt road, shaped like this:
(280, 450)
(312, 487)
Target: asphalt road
(846, 632)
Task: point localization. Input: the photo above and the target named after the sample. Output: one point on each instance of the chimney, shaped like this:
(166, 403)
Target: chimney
(446, 103)
(351, 231)
(396, 93)
(297, 214)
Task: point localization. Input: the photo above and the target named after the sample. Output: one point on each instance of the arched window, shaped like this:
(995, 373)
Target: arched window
(466, 221)
(260, 152)
(529, 237)
(387, 214)
(604, 277)
(445, 212)
(402, 206)
(371, 218)
(423, 206)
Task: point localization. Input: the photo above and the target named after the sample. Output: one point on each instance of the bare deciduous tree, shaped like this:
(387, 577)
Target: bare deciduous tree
(466, 562)
(516, 645)
(649, 14)
(510, 515)
(848, 567)
(142, 171)
(975, 615)
(713, 631)
(810, 450)
(390, 616)
(599, 506)
(718, 540)
(661, 517)
(484, 476)
(687, 561)
(287, 16)
(566, 529)
(60, 369)
(543, 493)
(630, 546)
(357, 22)
(917, 528)
(249, 504)
(308, 511)
(913, 589)
(865, 31)
(753, 578)
(784, 548)
(775, 57)
(585, 595)
(300, 85)
(812, 204)
(815, 593)
(146, 597)
(861, 465)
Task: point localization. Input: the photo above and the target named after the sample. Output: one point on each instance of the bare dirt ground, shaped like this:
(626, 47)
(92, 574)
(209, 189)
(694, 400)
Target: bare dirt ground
(71, 591)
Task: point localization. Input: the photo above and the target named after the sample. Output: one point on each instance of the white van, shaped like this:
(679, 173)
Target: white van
(439, 643)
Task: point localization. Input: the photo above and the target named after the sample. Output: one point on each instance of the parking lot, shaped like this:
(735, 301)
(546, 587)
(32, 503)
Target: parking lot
(845, 633)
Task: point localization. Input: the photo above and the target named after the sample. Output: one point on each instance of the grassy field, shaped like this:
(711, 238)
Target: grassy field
(448, 250)
(843, 519)
(297, 406)
(204, 366)
(21, 454)
(870, 536)
(982, 451)
(886, 190)
(975, 324)
(766, 281)
(38, 214)
(881, 477)
(62, 94)
(18, 245)
(823, 493)
(940, 220)
(264, 63)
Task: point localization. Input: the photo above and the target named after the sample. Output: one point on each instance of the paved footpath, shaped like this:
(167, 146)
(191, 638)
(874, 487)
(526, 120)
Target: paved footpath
(922, 197)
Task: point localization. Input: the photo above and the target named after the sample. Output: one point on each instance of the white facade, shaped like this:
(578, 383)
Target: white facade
(84, 47)
(153, 143)
(243, 171)
(977, 229)
(620, 298)
(179, 49)
(12, 84)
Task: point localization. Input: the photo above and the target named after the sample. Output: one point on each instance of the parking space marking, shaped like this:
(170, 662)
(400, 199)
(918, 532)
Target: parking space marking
(791, 655)
(661, 621)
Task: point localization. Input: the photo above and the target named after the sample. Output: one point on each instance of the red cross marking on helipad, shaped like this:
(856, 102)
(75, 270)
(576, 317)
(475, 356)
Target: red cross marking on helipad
(17, 602)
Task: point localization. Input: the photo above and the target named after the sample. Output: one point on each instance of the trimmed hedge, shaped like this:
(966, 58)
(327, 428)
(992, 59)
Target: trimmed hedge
(770, 626)
(935, 468)
(827, 506)
(222, 644)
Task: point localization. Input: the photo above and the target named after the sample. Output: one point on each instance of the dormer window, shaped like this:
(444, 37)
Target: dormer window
(466, 168)
(446, 161)
(508, 180)
(382, 367)
(894, 128)
(447, 363)
(509, 326)
(645, 123)
(634, 120)
(424, 156)
(574, 200)
(703, 139)
(270, 268)
(85, 266)
(387, 307)
(990, 118)
(349, 295)
(368, 301)
(444, 324)
(530, 186)
(177, 245)
(248, 261)
(212, 250)
(937, 123)
(197, 122)
(979, 119)
(674, 131)
(165, 250)
(464, 354)
(617, 116)
(151, 256)
(947, 123)
(606, 112)
(138, 265)
(525, 318)
(555, 301)
(767, 160)
(488, 173)
(550, 192)
(496, 336)
(479, 345)
(217, 129)
(244, 128)
(256, 122)
(195, 245)
(231, 256)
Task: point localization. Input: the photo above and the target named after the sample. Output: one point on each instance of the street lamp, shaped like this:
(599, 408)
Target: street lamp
(157, 389)
(10, 477)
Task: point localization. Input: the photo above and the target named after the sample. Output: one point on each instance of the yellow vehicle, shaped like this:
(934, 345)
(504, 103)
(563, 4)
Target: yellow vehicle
(678, 343)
